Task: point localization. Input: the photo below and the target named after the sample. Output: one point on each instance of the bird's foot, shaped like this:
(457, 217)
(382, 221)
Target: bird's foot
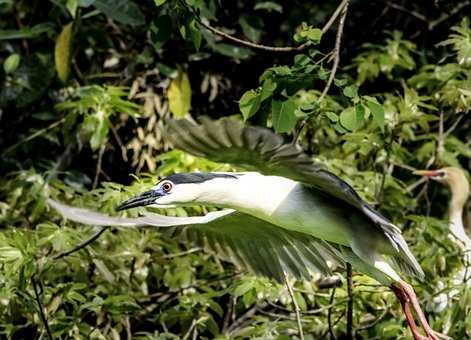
(434, 335)
(407, 296)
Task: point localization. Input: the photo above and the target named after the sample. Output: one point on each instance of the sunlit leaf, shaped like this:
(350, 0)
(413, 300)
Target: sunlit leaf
(179, 95)
(249, 104)
(377, 111)
(11, 63)
(350, 91)
(62, 52)
(283, 117)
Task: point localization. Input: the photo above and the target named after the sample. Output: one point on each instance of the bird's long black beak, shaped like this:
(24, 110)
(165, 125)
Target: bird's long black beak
(141, 200)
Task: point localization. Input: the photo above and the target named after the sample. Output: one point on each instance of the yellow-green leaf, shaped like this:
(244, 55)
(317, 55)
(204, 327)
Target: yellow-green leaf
(62, 52)
(179, 95)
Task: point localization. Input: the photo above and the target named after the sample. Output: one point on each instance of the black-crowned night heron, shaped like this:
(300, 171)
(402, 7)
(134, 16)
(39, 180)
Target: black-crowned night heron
(288, 216)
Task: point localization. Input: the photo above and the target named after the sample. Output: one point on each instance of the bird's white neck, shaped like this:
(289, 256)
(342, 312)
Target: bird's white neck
(252, 193)
(455, 211)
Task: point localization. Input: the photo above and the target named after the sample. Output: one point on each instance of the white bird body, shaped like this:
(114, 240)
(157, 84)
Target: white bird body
(291, 217)
(278, 200)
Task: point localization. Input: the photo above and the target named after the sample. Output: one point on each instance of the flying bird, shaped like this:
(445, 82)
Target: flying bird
(286, 214)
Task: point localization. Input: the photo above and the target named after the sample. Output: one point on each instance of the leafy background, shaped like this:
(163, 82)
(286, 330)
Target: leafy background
(85, 88)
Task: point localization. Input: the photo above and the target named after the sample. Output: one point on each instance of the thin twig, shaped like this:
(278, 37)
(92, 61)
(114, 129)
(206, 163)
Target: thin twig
(311, 311)
(440, 139)
(453, 127)
(229, 314)
(329, 314)
(183, 253)
(98, 165)
(247, 315)
(335, 65)
(192, 326)
(81, 245)
(295, 304)
(120, 142)
(375, 321)
(41, 309)
(336, 53)
(279, 316)
(445, 16)
(416, 184)
(415, 14)
(387, 170)
(265, 47)
(350, 302)
(34, 135)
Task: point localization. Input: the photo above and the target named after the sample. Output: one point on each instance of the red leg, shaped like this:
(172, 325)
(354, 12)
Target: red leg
(404, 299)
(431, 334)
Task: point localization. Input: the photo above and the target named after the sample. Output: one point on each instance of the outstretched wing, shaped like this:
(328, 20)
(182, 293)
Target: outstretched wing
(259, 149)
(249, 242)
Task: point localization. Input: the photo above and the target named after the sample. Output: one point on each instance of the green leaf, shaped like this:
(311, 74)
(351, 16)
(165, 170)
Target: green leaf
(11, 63)
(243, 288)
(72, 6)
(252, 27)
(251, 100)
(100, 133)
(62, 52)
(360, 112)
(26, 33)
(159, 2)
(85, 3)
(249, 104)
(268, 87)
(179, 95)
(283, 115)
(232, 51)
(194, 34)
(332, 116)
(309, 33)
(123, 11)
(350, 91)
(377, 111)
(350, 119)
(160, 30)
(269, 6)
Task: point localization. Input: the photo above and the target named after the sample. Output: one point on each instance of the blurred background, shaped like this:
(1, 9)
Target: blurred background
(86, 86)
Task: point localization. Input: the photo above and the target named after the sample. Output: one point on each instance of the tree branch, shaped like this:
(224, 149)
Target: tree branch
(296, 307)
(265, 47)
(81, 245)
(440, 139)
(336, 53)
(98, 165)
(41, 309)
(335, 65)
(329, 314)
(446, 16)
(350, 302)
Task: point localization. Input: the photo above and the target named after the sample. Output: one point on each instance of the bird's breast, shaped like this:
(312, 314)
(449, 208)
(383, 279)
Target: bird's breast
(289, 204)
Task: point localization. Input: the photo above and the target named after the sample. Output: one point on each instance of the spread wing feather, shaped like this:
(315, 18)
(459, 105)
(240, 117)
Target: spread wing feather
(261, 150)
(247, 241)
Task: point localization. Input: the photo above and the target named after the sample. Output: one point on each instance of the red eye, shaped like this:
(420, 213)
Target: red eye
(167, 186)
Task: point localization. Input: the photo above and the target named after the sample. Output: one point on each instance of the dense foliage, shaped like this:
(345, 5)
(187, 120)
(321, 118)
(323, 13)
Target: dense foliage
(85, 88)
